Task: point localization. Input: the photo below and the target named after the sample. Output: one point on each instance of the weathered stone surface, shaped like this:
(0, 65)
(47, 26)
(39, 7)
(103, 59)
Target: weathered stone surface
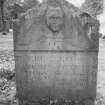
(56, 53)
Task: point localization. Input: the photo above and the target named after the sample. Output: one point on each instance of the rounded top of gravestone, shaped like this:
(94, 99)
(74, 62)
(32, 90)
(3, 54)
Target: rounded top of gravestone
(67, 7)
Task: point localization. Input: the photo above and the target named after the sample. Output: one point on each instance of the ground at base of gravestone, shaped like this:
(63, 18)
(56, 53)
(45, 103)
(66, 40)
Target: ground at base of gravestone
(7, 73)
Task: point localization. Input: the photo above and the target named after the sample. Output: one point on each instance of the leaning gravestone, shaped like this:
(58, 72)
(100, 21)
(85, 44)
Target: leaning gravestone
(56, 49)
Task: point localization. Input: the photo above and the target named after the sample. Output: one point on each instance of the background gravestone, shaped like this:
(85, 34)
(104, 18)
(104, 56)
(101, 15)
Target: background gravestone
(56, 49)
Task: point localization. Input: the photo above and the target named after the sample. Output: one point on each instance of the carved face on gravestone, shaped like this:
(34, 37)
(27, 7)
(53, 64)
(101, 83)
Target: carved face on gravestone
(54, 19)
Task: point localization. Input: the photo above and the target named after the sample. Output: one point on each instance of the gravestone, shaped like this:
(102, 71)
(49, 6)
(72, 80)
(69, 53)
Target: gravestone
(56, 49)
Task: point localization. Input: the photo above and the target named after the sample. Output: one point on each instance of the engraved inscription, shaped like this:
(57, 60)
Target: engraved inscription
(62, 68)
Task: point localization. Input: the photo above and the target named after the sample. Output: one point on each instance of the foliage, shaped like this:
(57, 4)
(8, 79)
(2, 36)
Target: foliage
(27, 4)
(6, 61)
(93, 7)
(7, 77)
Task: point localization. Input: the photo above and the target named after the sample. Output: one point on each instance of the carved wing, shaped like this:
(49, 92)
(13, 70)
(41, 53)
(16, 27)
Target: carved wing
(33, 18)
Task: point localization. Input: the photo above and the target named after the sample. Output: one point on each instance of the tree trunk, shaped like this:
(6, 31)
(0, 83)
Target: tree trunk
(2, 15)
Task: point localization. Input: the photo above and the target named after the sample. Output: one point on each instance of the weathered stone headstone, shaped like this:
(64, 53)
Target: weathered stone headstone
(56, 49)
